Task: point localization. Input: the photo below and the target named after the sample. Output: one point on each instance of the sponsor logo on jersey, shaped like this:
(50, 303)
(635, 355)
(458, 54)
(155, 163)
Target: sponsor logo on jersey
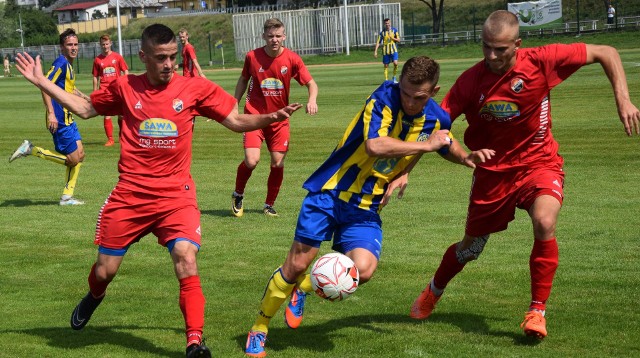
(423, 137)
(158, 128)
(284, 70)
(271, 87)
(500, 111)
(517, 84)
(109, 71)
(177, 105)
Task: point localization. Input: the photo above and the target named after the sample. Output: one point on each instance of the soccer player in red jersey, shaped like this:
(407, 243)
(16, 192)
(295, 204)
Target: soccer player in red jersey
(506, 101)
(190, 64)
(269, 70)
(155, 192)
(107, 66)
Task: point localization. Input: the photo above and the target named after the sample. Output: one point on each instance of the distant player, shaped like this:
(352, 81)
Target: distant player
(107, 66)
(505, 99)
(7, 66)
(396, 125)
(69, 150)
(270, 70)
(155, 192)
(389, 38)
(190, 64)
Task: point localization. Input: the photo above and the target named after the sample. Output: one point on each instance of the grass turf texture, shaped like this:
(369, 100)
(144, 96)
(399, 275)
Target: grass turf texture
(46, 250)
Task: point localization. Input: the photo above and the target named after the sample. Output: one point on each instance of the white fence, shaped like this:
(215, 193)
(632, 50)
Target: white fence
(317, 31)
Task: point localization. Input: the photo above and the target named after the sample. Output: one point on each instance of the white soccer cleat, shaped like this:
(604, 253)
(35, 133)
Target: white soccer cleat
(69, 200)
(23, 150)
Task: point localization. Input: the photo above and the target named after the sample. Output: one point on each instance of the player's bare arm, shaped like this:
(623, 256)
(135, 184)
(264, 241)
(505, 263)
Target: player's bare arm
(610, 61)
(52, 121)
(32, 71)
(241, 88)
(247, 122)
(312, 106)
(457, 154)
(387, 147)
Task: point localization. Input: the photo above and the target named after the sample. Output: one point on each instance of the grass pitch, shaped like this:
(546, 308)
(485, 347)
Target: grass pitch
(46, 250)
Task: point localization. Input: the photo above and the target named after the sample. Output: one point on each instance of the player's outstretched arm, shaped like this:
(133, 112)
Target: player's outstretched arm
(32, 71)
(610, 61)
(457, 154)
(387, 147)
(247, 122)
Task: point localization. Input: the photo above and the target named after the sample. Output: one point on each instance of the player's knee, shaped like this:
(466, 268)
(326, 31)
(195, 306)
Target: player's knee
(544, 227)
(105, 274)
(366, 274)
(251, 163)
(472, 250)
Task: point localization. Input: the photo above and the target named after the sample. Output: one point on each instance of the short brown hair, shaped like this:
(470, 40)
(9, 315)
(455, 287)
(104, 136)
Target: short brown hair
(273, 23)
(105, 37)
(67, 33)
(421, 69)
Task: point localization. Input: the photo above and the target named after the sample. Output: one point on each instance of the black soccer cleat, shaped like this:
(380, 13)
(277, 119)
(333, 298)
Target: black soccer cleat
(198, 350)
(83, 311)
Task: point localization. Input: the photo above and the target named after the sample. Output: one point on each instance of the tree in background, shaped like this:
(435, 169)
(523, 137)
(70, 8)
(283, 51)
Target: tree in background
(436, 13)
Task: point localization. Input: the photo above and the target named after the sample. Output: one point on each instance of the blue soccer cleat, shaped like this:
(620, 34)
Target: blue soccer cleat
(295, 309)
(255, 344)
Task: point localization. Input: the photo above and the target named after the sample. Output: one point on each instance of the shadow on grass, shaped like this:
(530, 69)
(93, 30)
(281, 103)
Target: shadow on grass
(26, 202)
(227, 212)
(317, 338)
(68, 339)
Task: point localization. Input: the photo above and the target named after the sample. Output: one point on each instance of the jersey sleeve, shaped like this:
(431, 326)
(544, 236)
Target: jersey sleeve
(109, 100)
(301, 74)
(246, 68)
(560, 61)
(454, 101)
(96, 68)
(215, 102)
(123, 64)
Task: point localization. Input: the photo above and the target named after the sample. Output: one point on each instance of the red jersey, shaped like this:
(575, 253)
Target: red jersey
(188, 55)
(511, 113)
(108, 68)
(157, 128)
(271, 78)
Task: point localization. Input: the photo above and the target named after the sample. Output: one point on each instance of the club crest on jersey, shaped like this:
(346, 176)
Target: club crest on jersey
(284, 70)
(177, 105)
(158, 128)
(517, 84)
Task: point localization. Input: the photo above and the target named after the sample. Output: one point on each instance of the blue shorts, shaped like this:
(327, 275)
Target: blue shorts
(387, 59)
(323, 217)
(65, 139)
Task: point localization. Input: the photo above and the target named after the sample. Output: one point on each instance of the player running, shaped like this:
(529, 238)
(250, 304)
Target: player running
(107, 66)
(155, 192)
(67, 141)
(269, 69)
(506, 101)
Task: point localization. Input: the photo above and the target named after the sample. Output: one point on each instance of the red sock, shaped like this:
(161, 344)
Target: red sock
(192, 306)
(97, 288)
(448, 269)
(108, 127)
(543, 263)
(273, 184)
(242, 177)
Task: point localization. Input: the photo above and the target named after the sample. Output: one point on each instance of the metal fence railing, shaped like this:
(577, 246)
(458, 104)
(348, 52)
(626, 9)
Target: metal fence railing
(315, 31)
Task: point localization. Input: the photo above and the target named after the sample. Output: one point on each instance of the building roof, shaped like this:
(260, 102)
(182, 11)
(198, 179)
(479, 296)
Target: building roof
(82, 5)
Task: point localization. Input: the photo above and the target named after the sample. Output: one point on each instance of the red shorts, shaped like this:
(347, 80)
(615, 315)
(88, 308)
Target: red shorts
(276, 135)
(127, 216)
(496, 195)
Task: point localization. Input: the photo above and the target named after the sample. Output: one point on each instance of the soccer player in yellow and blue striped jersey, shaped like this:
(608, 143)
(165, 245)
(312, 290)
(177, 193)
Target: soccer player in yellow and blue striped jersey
(59, 121)
(388, 38)
(397, 124)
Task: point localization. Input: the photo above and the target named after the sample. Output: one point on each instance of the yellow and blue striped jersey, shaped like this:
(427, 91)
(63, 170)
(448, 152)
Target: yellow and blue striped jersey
(389, 46)
(359, 178)
(61, 73)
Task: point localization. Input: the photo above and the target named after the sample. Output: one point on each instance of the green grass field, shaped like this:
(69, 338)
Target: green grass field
(46, 250)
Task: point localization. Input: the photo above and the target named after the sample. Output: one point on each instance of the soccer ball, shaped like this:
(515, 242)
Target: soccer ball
(334, 276)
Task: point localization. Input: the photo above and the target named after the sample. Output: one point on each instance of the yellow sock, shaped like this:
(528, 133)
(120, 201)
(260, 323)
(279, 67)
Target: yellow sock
(278, 289)
(395, 70)
(386, 74)
(72, 178)
(48, 155)
(304, 283)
